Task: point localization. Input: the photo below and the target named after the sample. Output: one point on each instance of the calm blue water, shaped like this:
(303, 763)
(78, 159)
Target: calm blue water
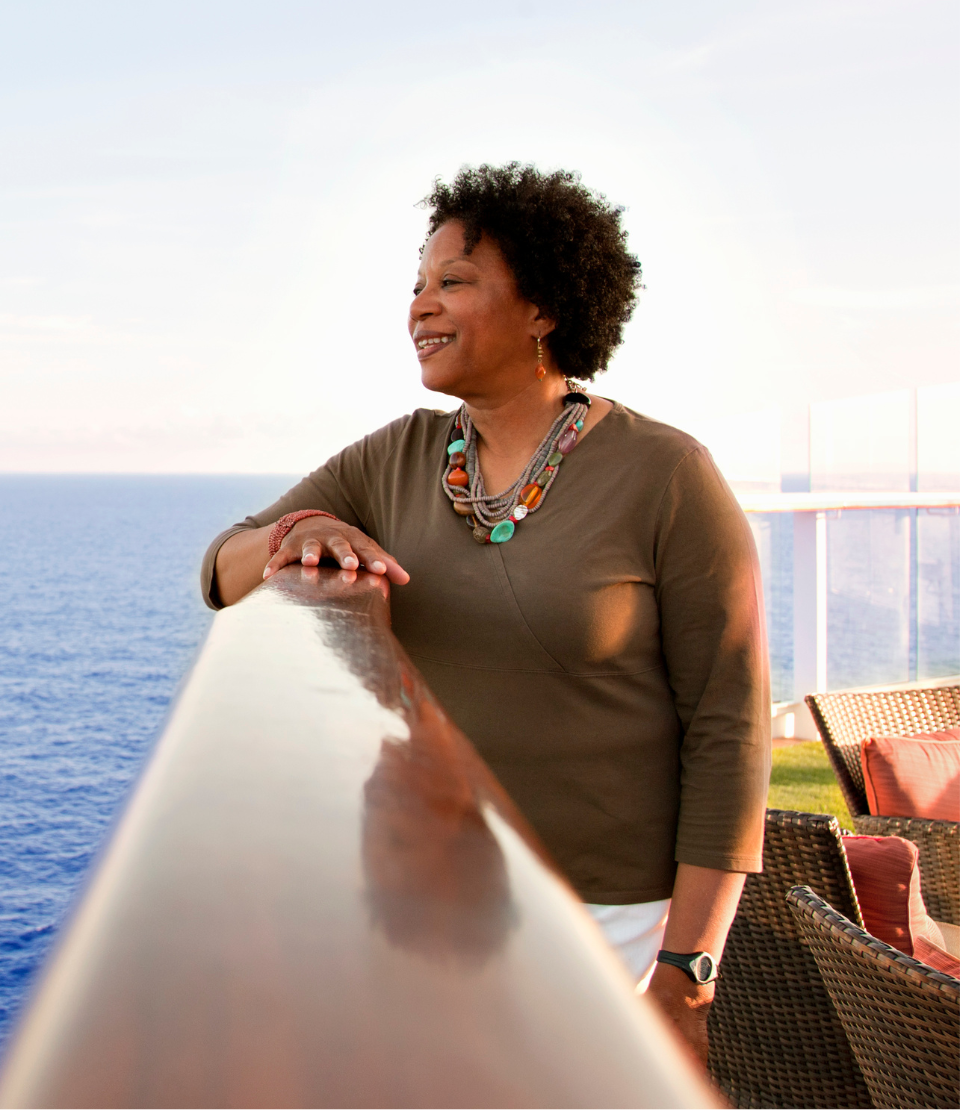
(100, 615)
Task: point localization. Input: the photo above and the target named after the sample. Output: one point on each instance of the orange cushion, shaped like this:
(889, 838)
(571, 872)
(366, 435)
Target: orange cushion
(913, 776)
(934, 956)
(886, 877)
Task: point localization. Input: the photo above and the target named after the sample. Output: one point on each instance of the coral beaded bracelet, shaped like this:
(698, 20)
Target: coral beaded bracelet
(285, 523)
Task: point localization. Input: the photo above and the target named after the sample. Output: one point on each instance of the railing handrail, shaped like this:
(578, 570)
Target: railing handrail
(820, 502)
(318, 895)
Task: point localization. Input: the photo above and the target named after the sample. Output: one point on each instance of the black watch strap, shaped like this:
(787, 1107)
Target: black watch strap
(699, 967)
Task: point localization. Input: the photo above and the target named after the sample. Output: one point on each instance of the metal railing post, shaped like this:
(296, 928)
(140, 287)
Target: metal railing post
(913, 617)
(809, 603)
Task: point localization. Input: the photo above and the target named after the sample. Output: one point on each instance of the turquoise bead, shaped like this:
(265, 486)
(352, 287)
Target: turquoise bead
(502, 532)
(579, 425)
(457, 445)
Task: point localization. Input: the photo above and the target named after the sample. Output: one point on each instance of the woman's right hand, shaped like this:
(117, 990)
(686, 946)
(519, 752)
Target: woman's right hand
(317, 537)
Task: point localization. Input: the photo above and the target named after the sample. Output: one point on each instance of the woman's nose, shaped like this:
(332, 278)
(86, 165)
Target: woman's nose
(424, 304)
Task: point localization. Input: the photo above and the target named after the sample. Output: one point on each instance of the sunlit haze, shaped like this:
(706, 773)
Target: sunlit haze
(209, 231)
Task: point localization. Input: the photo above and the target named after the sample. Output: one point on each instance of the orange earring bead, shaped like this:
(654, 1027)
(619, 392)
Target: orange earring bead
(541, 369)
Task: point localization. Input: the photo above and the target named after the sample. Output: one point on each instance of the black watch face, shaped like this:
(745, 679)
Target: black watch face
(703, 967)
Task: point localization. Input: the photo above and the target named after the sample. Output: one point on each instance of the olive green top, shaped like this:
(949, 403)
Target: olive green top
(608, 662)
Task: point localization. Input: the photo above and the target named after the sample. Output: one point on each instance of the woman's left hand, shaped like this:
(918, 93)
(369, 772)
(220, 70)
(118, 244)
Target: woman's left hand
(687, 1004)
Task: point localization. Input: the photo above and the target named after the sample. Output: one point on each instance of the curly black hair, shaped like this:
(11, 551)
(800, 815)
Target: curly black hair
(565, 246)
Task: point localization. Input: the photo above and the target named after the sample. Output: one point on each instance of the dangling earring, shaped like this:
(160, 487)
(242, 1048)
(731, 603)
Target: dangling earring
(541, 369)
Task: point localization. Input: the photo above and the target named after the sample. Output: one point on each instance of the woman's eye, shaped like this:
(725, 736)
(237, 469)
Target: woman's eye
(418, 289)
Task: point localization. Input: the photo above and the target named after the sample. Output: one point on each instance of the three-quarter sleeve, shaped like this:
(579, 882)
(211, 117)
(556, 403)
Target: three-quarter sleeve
(710, 598)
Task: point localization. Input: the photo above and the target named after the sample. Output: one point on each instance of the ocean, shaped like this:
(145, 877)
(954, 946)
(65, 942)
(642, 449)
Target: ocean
(100, 615)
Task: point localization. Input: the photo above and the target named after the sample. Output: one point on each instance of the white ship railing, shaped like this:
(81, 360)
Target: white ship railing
(318, 895)
(835, 502)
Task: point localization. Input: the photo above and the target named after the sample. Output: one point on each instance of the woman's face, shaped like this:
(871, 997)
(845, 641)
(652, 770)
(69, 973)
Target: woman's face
(474, 334)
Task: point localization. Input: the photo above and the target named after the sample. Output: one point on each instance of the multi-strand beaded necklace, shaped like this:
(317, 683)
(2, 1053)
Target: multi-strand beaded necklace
(494, 517)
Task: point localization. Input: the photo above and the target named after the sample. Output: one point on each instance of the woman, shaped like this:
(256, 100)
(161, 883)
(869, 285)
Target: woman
(595, 626)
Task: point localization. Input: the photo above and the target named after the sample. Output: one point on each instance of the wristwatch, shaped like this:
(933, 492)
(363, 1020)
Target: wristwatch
(701, 967)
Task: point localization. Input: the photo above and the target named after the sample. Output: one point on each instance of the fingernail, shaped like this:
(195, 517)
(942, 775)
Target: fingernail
(350, 563)
(267, 572)
(377, 567)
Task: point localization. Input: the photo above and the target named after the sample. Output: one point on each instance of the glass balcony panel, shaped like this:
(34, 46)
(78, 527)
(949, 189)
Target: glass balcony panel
(868, 598)
(861, 443)
(938, 445)
(938, 592)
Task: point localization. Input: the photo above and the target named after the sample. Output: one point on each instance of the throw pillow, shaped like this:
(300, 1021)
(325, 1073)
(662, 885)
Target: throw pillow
(913, 776)
(886, 877)
(934, 956)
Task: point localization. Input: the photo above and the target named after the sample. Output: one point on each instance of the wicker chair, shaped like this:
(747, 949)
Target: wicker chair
(901, 1017)
(844, 720)
(775, 1038)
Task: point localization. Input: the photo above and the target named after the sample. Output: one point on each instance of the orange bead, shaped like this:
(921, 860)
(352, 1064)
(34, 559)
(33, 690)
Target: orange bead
(530, 495)
(458, 477)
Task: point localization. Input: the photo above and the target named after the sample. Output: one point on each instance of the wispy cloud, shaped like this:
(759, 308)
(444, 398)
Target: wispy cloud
(74, 325)
(876, 300)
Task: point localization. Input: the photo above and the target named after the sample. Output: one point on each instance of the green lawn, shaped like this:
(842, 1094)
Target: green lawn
(802, 778)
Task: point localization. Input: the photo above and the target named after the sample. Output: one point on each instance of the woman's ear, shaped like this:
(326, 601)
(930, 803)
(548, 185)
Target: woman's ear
(541, 324)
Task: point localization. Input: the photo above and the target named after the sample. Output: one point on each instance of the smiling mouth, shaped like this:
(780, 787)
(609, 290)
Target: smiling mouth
(430, 346)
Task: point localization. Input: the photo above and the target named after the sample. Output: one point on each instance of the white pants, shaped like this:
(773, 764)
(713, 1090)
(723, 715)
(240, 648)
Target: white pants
(636, 933)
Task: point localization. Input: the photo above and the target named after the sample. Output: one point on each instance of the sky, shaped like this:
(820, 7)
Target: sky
(209, 226)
